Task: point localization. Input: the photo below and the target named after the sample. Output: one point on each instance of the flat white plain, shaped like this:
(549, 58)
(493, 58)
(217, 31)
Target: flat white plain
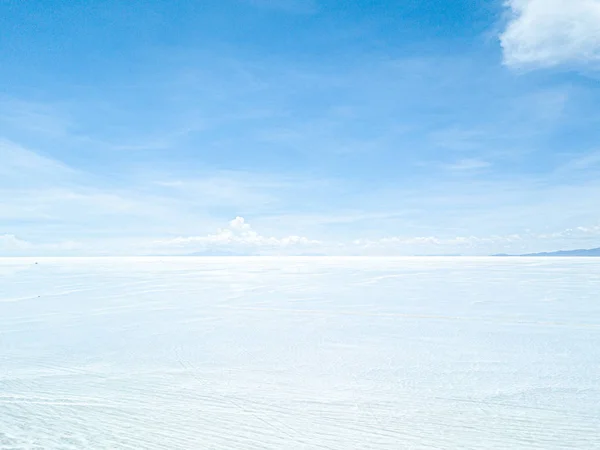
(299, 353)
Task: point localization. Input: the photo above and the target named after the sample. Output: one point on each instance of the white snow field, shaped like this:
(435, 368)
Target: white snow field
(300, 353)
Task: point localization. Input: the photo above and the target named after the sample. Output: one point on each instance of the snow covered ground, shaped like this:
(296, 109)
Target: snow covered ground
(300, 353)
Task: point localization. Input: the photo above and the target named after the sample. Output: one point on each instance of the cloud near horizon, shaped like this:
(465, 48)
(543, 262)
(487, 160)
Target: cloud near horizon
(240, 236)
(11, 245)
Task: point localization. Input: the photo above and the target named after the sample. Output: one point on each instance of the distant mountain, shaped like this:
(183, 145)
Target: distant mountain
(582, 252)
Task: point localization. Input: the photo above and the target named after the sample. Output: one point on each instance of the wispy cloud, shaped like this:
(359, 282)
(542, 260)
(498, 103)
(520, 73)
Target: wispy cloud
(352, 146)
(34, 117)
(583, 162)
(468, 165)
(546, 33)
(20, 163)
(43, 197)
(582, 232)
(11, 243)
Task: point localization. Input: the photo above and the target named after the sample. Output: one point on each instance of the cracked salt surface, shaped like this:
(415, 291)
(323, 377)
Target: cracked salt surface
(299, 353)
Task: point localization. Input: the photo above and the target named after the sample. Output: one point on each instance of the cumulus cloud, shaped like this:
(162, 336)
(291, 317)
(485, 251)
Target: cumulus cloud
(238, 234)
(546, 33)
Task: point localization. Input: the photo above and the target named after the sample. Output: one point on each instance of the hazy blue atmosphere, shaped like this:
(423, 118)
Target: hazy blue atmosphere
(299, 127)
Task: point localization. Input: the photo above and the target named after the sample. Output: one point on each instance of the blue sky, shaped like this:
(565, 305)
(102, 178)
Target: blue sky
(299, 126)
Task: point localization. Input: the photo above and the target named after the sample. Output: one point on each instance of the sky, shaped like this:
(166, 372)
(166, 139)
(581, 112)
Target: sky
(299, 127)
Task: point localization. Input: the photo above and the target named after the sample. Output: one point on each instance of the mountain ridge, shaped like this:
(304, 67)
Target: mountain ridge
(591, 252)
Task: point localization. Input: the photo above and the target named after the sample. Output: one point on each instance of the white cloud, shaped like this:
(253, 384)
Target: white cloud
(527, 242)
(235, 189)
(240, 238)
(21, 163)
(588, 161)
(570, 233)
(239, 234)
(34, 118)
(433, 241)
(468, 164)
(11, 243)
(546, 33)
(593, 230)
